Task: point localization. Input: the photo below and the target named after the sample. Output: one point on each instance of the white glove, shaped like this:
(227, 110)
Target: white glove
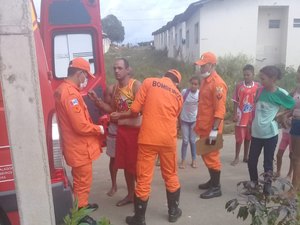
(213, 136)
(101, 129)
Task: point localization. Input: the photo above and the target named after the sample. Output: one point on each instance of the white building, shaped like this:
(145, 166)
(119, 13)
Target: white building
(106, 43)
(266, 30)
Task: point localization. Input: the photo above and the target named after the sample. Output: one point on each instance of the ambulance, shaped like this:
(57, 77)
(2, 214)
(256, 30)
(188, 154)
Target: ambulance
(67, 29)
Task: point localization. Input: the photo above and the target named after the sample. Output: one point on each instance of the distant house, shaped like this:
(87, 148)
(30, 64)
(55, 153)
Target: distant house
(106, 42)
(266, 30)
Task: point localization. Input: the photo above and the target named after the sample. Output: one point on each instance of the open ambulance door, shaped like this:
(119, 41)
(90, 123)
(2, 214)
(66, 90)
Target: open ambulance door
(70, 29)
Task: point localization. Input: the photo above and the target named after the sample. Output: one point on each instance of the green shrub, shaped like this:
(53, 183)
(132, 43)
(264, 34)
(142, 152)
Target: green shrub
(278, 208)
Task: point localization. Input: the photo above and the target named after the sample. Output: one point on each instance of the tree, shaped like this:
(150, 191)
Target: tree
(113, 28)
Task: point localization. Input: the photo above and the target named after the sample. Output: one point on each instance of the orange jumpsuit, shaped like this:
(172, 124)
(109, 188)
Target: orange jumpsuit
(79, 138)
(212, 104)
(160, 102)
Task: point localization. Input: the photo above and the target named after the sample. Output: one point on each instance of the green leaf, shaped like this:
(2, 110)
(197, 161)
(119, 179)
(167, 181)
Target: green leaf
(243, 213)
(273, 216)
(231, 205)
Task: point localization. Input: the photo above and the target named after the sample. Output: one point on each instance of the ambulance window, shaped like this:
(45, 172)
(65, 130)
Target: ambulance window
(70, 46)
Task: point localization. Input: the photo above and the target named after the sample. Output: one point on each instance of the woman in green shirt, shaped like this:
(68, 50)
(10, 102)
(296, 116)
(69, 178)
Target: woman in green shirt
(264, 129)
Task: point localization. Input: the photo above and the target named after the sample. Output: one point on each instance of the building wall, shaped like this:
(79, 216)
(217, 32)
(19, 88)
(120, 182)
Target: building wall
(293, 37)
(192, 48)
(229, 27)
(235, 26)
(271, 41)
(106, 44)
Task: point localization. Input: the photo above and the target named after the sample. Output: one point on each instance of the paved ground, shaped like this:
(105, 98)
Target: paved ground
(196, 211)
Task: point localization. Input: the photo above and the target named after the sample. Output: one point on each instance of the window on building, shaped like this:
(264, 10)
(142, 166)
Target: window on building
(297, 22)
(274, 24)
(196, 33)
(176, 41)
(187, 39)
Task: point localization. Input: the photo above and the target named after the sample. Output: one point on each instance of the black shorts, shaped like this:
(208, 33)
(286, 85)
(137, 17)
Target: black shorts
(295, 127)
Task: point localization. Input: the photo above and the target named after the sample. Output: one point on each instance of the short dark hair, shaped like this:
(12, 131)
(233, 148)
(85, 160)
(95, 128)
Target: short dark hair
(249, 67)
(73, 70)
(195, 78)
(125, 61)
(272, 72)
(172, 77)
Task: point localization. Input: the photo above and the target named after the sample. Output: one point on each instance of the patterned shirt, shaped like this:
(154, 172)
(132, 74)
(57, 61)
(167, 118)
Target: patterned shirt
(244, 96)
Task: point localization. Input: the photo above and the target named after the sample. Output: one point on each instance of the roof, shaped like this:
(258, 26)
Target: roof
(183, 16)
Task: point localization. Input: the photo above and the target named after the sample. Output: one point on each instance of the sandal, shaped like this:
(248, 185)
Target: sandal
(193, 165)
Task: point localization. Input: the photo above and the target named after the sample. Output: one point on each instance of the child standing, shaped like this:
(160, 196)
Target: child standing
(188, 120)
(268, 101)
(243, 99)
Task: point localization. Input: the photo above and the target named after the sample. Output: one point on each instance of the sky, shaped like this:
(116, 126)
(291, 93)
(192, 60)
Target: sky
(140, 18)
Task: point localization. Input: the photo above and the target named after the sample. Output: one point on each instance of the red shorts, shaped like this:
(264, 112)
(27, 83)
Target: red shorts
(242, 134)
(285, 142)
(126, 148)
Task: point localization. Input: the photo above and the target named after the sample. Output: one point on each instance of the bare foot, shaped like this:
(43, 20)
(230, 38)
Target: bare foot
(112, 191)
(182, 165)
(194, 165)
(234, 162)
(125, 201)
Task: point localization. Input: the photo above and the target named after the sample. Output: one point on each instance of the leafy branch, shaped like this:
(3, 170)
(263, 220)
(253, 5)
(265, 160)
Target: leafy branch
(277, 208)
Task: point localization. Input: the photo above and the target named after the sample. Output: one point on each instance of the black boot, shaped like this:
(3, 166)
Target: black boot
(215, 189)
(140, 207)
(206, 185)
(173, 202)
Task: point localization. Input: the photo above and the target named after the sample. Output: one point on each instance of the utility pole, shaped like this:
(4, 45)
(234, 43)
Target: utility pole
(24, 116)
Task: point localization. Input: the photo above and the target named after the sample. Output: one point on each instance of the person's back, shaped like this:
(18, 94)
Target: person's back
(160, 112)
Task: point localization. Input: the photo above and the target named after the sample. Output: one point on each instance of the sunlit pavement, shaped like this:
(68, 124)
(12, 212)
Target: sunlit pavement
(196, 211)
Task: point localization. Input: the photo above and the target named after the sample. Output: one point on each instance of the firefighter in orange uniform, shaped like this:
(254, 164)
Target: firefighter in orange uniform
(211, 112)
(160, 102)
(79, 136)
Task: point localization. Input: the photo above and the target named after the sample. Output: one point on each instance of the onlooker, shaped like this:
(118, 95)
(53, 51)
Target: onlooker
(211, 112)
(188, 120)
(243, 99)
(295, 132)
(295, 137)
(79, 136)
(284, 143)
(160, 101)
(268, 101)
